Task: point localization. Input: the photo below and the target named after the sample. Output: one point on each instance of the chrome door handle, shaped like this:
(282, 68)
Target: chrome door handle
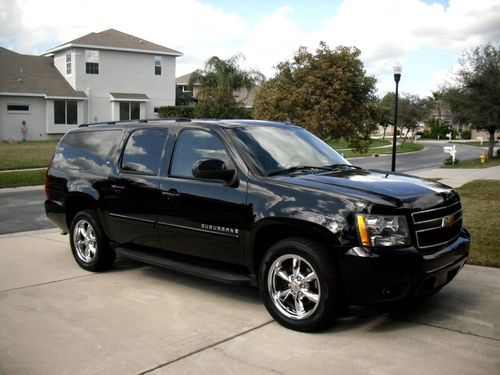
(172, 193)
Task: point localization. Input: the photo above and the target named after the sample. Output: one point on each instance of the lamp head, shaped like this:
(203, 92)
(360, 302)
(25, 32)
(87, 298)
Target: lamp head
(397, 69)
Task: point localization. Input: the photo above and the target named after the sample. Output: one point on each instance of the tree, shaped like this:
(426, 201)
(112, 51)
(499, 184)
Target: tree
(436, 102)
(412, 110)
(476, 97)
(218, 80)
(328, 93)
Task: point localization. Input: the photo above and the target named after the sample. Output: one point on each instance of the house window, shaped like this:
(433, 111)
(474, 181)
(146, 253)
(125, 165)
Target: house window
(68, 63)
(18, 108)
(130, 110)
(65, 112)
(185, 88)
(158, 65)
(92, 62)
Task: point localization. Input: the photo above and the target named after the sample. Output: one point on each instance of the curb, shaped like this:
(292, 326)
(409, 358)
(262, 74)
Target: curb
(22, 188)
(30, 233)
(22, 170)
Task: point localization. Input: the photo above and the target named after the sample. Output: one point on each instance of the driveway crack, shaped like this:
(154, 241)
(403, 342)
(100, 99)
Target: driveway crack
(448, 329)
(202, 349)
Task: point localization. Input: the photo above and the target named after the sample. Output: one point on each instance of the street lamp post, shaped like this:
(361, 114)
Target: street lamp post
(397, 76)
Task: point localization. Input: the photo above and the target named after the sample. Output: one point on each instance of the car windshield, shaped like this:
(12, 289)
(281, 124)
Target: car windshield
(276, 149)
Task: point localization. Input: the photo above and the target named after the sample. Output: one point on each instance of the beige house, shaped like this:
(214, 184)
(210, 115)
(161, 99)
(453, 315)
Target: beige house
(105, 76)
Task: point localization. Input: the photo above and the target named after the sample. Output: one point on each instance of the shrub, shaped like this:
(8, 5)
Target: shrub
(426, 134)
(449, 161)
(466, 134)
(176, 112)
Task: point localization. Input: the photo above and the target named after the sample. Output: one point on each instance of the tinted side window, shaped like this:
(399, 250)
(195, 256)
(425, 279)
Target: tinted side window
(86, 150)
(143, 151)
(194, 145)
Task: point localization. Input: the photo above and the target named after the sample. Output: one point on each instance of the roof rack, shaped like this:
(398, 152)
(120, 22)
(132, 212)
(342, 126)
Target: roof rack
(141, 121)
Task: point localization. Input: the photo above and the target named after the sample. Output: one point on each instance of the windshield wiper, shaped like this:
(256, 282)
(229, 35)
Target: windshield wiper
(337, 166)
(297, 169)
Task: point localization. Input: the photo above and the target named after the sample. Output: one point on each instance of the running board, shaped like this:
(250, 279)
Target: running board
(196, 269)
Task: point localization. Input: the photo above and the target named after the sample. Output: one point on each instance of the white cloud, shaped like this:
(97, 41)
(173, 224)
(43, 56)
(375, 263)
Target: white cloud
(384, 29)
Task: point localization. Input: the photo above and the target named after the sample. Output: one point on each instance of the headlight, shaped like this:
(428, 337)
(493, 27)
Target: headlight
(382, 230)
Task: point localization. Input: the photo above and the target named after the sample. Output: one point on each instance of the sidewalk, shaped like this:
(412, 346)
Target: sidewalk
(459, 176)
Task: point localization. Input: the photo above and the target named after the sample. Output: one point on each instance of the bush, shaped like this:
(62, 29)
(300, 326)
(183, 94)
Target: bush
(449, 161)
(438, 129)
(176, 112)
(466, 134)
(426, 134)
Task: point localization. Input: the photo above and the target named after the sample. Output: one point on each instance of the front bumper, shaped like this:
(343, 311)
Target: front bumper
(383, 275)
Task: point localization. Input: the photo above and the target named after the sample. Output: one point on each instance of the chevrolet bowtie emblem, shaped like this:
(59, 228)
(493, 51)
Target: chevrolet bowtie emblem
(447, 221)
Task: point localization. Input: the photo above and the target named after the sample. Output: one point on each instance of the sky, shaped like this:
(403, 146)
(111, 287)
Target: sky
(427, 37)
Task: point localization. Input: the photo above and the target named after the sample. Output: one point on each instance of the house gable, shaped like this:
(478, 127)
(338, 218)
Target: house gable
(112, 39)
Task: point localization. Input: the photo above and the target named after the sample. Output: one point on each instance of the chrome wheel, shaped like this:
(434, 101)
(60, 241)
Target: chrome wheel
(84, 241)
(293, 286)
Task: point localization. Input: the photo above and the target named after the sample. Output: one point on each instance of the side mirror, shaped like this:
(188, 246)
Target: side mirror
(213, 169)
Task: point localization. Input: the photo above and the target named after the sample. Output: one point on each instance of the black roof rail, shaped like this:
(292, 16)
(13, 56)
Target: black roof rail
(97, 123)
(141, 121)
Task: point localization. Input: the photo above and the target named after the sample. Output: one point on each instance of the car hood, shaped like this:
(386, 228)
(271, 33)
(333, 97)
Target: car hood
(398, 190)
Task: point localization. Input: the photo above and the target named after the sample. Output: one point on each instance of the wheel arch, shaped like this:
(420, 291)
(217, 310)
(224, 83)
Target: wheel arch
(76, 202)
(270, 231)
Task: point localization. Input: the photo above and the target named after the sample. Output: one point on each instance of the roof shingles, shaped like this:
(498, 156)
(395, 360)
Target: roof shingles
(115, 39)
(26, 74)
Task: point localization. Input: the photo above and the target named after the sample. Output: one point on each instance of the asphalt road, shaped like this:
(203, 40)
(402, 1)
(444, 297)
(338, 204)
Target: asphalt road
(431, 157)
(22, 209)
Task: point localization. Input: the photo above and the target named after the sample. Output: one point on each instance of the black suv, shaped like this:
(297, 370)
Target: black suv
(253, 202)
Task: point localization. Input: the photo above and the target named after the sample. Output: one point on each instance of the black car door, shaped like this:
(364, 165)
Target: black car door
(133, 194)
(204, 218)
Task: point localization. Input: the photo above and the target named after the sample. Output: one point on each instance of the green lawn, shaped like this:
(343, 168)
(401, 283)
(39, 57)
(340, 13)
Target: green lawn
(22, 155)
(486, 143)
(22, 178)
(340, 144)
(376, 147)
(481, 204)
(407, 147)
(475, 163)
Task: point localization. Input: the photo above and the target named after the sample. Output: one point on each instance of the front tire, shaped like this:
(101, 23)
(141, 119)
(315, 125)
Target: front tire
(299, 285)
(89, 244)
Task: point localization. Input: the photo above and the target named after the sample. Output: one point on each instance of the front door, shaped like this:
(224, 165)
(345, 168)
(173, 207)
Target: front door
(204, 218)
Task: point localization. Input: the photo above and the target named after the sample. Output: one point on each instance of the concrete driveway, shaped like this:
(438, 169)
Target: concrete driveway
(58, 319)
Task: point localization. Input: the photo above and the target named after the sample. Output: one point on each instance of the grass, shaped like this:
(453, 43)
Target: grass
(22, 155)
(376, 147)
(475, 143)
(22, 178)
(481, 203)
(475, 163)
(340, 144)
(407, 147)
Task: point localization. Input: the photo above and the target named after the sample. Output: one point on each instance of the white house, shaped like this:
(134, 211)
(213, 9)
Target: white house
(106, 76)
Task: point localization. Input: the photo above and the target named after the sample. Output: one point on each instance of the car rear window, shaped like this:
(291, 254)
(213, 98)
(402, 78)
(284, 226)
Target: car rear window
(86, 150)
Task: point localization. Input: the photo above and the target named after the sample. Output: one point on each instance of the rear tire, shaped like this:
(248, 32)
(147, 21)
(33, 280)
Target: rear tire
(298, 281)
(89, 244)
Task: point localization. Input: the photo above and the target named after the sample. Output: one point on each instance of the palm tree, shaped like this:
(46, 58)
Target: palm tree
(223, 77)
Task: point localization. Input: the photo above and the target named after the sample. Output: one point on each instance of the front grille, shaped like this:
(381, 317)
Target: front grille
(437, 226)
